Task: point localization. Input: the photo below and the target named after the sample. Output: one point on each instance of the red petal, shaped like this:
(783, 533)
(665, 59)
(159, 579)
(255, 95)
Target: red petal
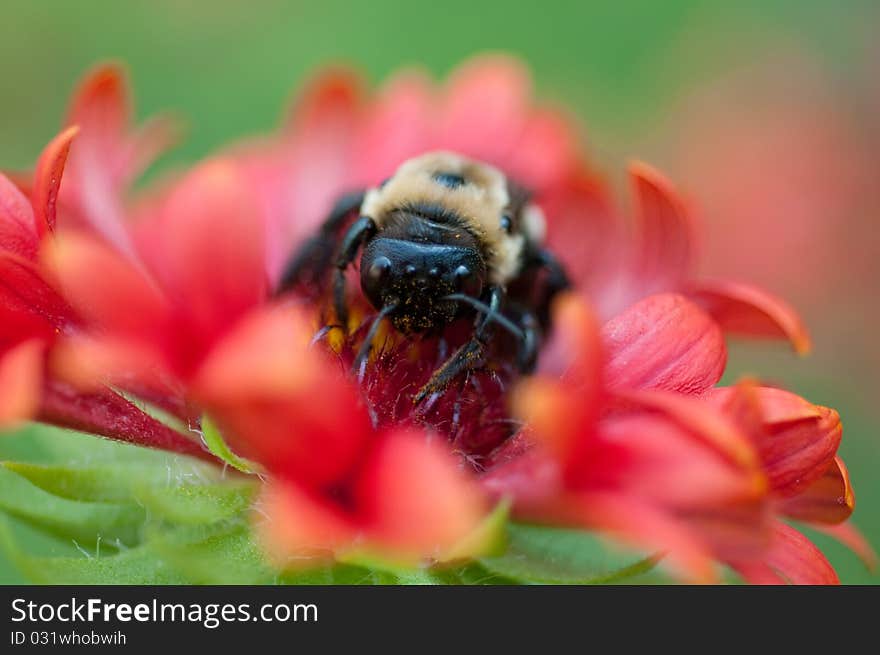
(21, 374)
(795, 559)
(852, 538)
(300, 182)
(750, 311)
(585, 233)
(797, 440)
(210, 251)
(577, 332)
(560, 418)
(96, 167)
(110, 415)
(704, 421)
(562, 414)
(297, 528)
(47, 179)
(101, 102)
(532, 480)
(485, 108)
(829, 499)
(333, 91)
(18, 231)
(414, 497)
(664, 342)
(281, 403)
(398, 126)
(91, 362)
(546, 152)
(665, 230)
(24, 290)
(106, 288)
(758, 573)
(150, 140)
(643, 526)
(657, 458)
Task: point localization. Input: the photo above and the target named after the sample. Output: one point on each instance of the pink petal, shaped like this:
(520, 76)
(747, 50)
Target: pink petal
(47, 179)
(665, 230)
(746, 310)
(664, 342)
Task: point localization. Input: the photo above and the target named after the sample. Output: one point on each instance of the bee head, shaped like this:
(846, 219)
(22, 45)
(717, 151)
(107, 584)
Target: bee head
(417, 277)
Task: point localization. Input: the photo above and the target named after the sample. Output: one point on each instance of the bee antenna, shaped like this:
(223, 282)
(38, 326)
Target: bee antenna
(367, 345)
(491, 315)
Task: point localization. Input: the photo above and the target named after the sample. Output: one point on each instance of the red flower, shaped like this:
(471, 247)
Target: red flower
(624, 431)
(191, 330)
(33, 315)
(629, 462)
(659, 255)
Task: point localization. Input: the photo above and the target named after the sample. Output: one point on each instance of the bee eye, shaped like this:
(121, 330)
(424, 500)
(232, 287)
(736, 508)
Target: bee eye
(449, 180)
(506, 223)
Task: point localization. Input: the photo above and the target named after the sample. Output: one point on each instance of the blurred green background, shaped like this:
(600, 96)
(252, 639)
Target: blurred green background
(657, 80)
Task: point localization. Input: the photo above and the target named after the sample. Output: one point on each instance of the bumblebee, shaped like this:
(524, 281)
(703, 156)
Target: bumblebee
(443, 238)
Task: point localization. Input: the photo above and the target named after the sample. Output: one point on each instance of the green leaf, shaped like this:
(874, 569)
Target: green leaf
(472, 573)
(488, 538)
(83, 521)
(46, 444)
(216, 444)
(345, 574)
(220, 554)
(106, 482)
(544, 555)
(197, 504)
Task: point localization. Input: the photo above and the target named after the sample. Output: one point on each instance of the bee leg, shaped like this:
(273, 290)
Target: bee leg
(314, 258)
(359, 232)
(530, 342)
(367, 345)
(467, 357)
(555, 282)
